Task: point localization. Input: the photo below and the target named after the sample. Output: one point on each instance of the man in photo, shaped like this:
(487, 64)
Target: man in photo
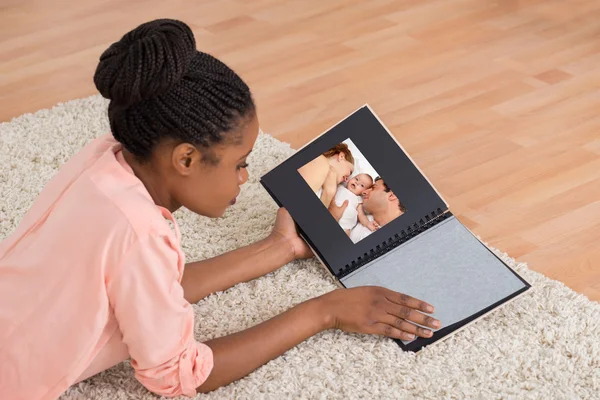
(380, 204)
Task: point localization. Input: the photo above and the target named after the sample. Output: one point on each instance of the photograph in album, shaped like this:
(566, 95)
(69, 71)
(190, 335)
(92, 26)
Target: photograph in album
(350, 182)
(373, 218)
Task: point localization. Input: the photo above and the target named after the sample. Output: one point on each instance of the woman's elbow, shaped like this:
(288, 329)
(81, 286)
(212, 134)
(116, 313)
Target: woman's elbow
(207, 387)
(185, 374)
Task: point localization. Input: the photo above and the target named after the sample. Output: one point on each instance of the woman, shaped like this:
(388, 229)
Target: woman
(94, 275)
(328, 170)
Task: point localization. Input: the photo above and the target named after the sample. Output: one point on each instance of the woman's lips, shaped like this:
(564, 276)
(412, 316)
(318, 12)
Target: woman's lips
(232, 202)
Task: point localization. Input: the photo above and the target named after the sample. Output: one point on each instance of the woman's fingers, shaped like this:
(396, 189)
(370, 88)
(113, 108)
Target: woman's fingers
(390, 331)
(407, 307)
(377, 310)
(410, 314)
(404, 325)
(406, 300)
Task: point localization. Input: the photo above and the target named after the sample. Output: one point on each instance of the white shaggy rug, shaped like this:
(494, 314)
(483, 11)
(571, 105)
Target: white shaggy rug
(544, 345)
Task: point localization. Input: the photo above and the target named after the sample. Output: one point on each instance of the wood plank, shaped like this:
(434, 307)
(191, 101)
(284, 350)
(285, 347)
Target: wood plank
(496, 101)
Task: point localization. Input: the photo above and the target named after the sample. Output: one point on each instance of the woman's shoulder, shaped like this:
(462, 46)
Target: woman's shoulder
(110, 191)
(315, 172)
(319, 162)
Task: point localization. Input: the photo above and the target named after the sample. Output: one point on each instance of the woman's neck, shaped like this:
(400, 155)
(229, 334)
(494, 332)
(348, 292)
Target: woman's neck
(154, 184)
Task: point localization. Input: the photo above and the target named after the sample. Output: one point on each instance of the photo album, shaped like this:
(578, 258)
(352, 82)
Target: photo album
(372, 218)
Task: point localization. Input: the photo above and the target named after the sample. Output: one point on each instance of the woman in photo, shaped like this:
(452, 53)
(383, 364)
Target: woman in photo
(327, 171)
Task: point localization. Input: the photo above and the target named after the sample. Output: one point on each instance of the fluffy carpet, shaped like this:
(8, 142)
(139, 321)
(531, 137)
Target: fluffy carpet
(543, 345)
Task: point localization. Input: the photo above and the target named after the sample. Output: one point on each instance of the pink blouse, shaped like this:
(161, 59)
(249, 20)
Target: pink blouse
(92, 259)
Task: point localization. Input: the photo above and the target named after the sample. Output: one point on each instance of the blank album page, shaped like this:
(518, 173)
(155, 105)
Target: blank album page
(446, 266)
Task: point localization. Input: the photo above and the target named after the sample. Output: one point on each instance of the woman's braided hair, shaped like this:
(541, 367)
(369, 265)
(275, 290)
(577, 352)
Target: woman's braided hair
(160, 86)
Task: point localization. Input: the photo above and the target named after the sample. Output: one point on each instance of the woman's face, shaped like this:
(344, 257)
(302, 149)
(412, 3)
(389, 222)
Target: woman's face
(343, 167)
(207, 188)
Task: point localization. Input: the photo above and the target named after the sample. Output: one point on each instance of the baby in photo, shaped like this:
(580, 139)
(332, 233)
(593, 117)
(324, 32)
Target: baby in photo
(353, 193)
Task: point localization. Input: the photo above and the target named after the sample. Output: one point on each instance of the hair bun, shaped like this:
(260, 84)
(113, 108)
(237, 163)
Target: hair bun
(146, 62)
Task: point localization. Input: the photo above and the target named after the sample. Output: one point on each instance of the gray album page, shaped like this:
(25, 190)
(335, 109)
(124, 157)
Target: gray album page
(445, 266)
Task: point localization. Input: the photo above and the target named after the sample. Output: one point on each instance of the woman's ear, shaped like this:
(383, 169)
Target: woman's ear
(341, 156)
(184, 157)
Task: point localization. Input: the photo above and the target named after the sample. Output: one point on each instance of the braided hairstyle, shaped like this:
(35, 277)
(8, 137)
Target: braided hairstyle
(160, 86)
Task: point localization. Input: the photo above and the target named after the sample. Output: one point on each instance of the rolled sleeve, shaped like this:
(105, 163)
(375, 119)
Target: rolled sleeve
(182, 375)
(156, 321)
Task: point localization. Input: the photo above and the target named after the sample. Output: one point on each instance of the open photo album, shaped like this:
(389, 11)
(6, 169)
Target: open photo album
(372, 217)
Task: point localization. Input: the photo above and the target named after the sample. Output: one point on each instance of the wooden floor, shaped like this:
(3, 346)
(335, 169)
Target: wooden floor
(497, 101)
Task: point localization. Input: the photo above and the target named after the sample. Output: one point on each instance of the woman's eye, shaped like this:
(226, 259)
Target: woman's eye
(244, 165)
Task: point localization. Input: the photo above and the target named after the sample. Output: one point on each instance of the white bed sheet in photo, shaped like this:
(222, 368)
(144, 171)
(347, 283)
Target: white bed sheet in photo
(361, 164)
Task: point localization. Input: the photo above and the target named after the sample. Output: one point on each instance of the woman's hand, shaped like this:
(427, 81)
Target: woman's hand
(337, 212)
(377, 310)
(329, 187)
(285, 229)
(367, 309)
(331, 181)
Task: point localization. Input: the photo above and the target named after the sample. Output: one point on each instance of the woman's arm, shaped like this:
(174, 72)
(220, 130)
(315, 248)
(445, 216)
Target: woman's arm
(315, 172)
(202, 278)
(236, 355)
(367, 309)
(222, 272)
(329, 187)
(326, 198)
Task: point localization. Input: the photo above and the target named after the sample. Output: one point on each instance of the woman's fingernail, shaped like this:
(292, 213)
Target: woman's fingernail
(411, 336)
(429, 308)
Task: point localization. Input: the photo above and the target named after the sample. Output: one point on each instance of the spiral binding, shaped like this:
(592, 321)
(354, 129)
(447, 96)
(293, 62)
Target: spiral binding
(429, 220)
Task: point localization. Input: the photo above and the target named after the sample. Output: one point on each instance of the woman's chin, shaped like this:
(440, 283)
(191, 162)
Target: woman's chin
(215, 212)
(222, 211)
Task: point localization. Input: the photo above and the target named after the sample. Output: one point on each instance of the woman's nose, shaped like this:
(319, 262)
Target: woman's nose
(243, 176)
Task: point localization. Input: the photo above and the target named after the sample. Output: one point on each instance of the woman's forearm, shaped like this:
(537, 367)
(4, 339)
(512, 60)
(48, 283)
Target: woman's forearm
(327, 196)
(202, 278)
(235, 356)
